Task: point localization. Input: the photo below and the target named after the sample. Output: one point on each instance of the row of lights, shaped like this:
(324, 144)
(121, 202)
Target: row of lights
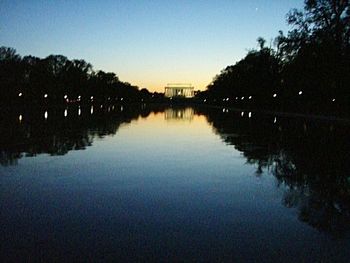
(224, 110)
(250, 114)
(65, 113)
(250, 97)
(66, 97)
(274, 120)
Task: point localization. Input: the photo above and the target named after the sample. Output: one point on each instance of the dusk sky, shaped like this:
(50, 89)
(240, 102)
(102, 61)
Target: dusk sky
(146, 43)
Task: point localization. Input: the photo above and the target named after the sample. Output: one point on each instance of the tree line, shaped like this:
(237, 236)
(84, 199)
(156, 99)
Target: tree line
(57, 79)
(306, 69)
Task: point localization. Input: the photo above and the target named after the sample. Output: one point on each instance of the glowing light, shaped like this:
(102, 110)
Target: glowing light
(227, 99)
(275, 120)
(121, 99)
(79, 111)
(121, 108)
(45, 95)
(300, 92)
(46, 115)
(20, 94)
(65, 113)
(205, 100)
(92, 110)
(20, 117)
(236, 98)
(242, 98)
(65, 96)
(223, 110)
(79, 98)
(242, 113)
(92, 98)
(274, 95)
(250, 97)
(249, 114)
(333, 100)
(101, 106)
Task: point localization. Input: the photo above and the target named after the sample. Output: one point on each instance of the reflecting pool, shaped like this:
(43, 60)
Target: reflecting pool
(141, 183)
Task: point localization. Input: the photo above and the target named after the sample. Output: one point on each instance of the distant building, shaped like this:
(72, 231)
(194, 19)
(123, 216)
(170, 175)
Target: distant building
(184, 90)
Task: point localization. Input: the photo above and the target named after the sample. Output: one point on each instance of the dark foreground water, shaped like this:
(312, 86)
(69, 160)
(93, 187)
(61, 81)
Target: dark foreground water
(145, 184)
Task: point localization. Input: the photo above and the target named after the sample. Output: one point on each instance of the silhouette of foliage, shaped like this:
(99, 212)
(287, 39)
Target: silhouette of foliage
(56, 79)
(308, 70)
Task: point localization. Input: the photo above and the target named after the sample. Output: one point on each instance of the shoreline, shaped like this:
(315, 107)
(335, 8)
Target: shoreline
(316, 116)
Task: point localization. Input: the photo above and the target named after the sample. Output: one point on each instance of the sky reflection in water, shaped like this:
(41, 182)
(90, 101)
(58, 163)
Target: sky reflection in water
(173, 183)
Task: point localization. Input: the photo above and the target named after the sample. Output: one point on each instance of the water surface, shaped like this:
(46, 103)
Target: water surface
(143, 183)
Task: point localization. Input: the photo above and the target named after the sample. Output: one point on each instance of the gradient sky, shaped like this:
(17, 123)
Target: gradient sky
(147, 43)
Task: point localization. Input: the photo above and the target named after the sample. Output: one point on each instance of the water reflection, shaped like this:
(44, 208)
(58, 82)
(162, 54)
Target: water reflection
(179, 114)
(309, 159)
(58, 134)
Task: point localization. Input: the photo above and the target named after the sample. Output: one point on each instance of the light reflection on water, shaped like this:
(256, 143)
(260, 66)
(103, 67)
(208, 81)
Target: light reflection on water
(209, 185)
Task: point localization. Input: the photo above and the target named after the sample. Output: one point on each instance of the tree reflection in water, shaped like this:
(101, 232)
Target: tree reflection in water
(29, 133)
(309, 158)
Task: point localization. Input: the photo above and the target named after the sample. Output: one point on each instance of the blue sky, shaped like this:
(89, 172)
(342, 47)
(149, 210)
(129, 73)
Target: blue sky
(147, 43)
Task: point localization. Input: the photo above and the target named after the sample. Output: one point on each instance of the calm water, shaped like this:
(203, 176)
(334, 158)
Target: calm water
(118, 183)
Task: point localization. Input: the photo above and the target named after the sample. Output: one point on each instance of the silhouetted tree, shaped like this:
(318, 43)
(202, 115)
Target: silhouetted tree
(252, 80)
(308, 70)
(57, 80)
